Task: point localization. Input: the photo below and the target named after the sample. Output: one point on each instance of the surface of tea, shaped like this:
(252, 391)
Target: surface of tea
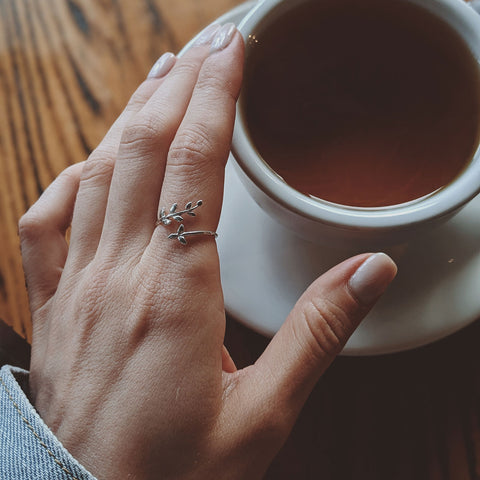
(363, 103)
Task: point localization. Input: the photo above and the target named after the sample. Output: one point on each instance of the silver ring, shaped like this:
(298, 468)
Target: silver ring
(165, 218)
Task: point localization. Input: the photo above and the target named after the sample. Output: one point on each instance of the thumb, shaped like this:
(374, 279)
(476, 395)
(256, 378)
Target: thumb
(319, 326)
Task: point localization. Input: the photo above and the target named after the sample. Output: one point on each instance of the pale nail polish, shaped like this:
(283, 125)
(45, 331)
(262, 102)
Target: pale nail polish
(223, 37)
(372, 278)
(162, 66)
(206, 35)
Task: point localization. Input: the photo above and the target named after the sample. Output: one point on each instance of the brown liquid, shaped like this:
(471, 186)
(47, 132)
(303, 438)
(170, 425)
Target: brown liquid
(364, 103)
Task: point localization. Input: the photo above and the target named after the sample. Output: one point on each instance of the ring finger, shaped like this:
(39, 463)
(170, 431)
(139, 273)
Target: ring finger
(95, 181)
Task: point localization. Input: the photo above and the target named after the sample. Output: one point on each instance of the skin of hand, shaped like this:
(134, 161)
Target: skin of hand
(128, 365)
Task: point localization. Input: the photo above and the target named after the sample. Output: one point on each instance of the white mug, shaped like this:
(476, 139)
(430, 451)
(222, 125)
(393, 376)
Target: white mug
(322, 221)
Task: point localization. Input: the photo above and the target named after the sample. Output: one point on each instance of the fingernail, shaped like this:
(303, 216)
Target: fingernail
(223, 37)
(206, 35)
(372, 278)
(162, 66)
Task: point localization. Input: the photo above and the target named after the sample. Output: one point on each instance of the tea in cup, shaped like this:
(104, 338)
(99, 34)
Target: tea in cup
(360, 121)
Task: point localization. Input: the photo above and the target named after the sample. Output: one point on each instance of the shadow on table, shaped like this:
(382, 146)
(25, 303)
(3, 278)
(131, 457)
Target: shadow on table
(14, 350)
(407, 416)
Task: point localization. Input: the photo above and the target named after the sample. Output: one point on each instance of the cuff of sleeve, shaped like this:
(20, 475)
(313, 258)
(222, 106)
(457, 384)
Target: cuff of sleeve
(28, 448)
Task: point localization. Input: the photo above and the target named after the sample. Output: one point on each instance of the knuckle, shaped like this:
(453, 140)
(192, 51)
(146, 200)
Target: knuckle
(138, 99)
(139, 132)
(98, 168)
(40, 218)
(145, 316)
(327, 327)
(30, 226)
(151, 288)
(186, 68)
(213, 85)
(191, 147)
(99, 283)
(70, 173)
(147, 131)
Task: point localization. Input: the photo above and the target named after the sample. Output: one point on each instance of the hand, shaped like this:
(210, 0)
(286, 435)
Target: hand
(128, 364)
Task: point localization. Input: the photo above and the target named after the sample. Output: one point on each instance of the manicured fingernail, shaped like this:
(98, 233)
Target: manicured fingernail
(223, 37)
(372, 278)
(206, 35)
(162, 66)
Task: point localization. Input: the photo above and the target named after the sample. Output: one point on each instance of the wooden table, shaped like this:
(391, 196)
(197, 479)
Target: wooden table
(67, 68)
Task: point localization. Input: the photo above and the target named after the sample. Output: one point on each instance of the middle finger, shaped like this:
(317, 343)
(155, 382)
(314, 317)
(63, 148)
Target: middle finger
(138, 175)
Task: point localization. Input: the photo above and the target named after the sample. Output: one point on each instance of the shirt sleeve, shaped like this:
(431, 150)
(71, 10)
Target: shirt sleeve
(28, 448)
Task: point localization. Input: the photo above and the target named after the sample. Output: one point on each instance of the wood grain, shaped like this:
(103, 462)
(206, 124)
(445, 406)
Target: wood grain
(67, 68)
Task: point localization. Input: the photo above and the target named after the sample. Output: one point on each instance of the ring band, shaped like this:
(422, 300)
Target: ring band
(181, 234)
(165, 218)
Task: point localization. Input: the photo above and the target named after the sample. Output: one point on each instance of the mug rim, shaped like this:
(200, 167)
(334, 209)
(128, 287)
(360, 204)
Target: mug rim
(437, 204)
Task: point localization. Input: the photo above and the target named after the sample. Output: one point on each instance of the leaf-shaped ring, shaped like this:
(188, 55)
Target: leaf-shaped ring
(181, 234)
(174, 214)
(165, 218)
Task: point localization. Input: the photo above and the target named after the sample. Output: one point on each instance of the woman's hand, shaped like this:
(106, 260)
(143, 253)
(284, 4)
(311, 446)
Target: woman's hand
(128, 365)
